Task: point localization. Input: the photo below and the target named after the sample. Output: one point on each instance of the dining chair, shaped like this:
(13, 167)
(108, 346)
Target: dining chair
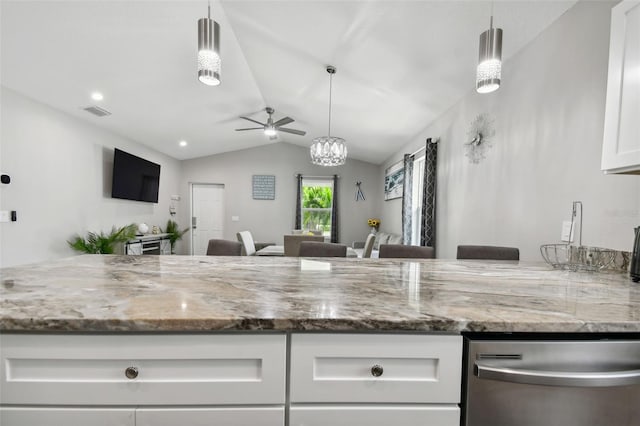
(399, 251)
(368, 246)
(292, 243)
(248, 245)
(488, 253)
(321, 249)
(224, 248)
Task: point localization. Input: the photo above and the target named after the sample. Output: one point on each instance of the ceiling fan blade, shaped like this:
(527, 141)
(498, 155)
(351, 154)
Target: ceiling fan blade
(294, 131)
(252, 120)
(284, 121)
(250, 128)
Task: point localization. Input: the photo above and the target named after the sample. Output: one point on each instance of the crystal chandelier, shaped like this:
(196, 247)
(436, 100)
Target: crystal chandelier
(329, 150)
(489, 70)
(208, 50)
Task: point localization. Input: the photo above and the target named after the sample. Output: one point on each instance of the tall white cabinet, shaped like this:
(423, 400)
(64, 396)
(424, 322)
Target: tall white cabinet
(621, 145)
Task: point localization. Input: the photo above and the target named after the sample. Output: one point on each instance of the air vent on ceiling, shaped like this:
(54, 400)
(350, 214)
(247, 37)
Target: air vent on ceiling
(95, 110)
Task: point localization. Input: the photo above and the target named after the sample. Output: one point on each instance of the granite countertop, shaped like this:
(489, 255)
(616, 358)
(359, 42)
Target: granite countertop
(183, 293)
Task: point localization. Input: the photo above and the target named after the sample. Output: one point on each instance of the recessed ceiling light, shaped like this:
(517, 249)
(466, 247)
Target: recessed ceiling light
(97, 96)
(183, 143)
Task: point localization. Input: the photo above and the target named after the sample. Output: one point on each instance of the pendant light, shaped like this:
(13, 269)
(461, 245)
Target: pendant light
(208, 50)
(329, 150)
(489, 70)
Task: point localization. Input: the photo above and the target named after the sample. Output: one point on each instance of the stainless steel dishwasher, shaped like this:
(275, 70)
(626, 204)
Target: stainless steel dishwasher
(551, 382)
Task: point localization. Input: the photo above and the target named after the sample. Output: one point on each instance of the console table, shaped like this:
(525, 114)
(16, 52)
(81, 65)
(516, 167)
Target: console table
(148, 244)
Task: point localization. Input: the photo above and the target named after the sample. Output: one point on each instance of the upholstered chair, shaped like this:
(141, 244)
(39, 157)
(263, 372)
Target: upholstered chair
(224, 248)
(404, 251)
(320, 249)
(248, 245)
(292, 243)
(488, 253)
(368, 246)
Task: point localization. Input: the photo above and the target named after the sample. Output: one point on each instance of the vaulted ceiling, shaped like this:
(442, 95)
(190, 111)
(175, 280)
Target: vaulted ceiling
(400, 65)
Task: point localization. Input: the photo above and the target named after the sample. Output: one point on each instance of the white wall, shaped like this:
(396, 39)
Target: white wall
(60, 171)
(269, 220)
(549, 116)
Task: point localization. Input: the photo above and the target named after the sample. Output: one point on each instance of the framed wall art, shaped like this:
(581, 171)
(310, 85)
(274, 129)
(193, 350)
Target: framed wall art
(394, 181)
(264, 187)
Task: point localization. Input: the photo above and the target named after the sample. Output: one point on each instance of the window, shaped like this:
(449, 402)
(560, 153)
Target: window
(416, 200)
(316, 205)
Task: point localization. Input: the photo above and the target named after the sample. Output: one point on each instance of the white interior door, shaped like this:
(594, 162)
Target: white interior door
(207, 215)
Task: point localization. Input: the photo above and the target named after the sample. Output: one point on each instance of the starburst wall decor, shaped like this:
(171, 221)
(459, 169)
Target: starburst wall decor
(479, 136)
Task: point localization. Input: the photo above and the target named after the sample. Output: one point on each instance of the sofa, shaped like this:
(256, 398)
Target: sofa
(381, 238)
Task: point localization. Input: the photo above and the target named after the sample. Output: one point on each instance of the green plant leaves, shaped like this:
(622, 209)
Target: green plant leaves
(174, 232)
(103, 243)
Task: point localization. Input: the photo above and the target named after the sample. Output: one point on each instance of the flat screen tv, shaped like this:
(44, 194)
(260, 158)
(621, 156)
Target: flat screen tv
(134, 178)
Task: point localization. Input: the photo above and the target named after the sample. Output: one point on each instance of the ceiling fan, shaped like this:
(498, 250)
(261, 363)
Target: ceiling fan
(272, 128)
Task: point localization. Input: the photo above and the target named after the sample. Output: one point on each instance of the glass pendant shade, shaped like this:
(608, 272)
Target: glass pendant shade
(489, 71)
(328, 151)
(209, 52)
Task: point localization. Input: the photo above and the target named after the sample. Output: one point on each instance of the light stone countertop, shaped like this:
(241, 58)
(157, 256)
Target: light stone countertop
(102, 293)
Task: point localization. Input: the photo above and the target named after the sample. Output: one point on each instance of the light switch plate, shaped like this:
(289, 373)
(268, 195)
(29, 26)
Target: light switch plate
(4, 216)
(235, 218)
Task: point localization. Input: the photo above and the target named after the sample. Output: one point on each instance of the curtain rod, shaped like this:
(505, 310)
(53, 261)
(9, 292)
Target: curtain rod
(433, 140)
(315, 177)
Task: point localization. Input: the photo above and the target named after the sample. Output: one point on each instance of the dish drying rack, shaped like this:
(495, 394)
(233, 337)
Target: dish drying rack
(576, 258)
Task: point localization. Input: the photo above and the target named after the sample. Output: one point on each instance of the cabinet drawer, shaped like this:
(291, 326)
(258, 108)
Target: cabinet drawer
(40, 416)
(374, 415)
(171, 369)
(375, 368)
(272, 416)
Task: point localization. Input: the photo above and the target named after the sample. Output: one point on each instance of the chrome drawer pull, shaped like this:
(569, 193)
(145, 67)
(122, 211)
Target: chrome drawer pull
(377, 370)
(131, 372)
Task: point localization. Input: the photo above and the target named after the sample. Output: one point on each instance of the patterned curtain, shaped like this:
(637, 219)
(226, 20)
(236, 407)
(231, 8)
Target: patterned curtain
(428, 226)
(298, 224)
(407, 192)
(334, 211)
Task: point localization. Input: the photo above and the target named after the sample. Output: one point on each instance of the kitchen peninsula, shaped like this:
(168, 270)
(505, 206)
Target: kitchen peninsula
(162, 339)
(180, 293)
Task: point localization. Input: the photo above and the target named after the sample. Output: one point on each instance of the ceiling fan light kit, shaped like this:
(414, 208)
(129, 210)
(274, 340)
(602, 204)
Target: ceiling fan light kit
(272, 128)
(329, 150)
(489, 71)
(209, 63)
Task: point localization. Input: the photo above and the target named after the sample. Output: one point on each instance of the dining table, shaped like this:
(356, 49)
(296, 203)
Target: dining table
(275, 250)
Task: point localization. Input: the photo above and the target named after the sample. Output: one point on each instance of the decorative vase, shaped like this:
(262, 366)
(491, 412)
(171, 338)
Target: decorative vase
(143, 228)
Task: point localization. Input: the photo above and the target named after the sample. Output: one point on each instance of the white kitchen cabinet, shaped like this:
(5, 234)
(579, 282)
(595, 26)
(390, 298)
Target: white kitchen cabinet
(178, 369)
(381, 368)
(71, 416)
(621, 145)
(229, 379)
(270, 416)
(377, 415)
(375, 379)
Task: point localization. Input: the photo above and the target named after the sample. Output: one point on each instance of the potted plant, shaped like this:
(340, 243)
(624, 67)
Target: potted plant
(175, 234)
(101, 243)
